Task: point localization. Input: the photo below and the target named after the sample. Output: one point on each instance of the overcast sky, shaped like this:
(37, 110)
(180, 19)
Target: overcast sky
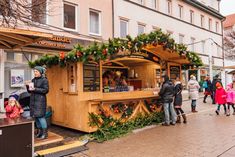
(227, 7)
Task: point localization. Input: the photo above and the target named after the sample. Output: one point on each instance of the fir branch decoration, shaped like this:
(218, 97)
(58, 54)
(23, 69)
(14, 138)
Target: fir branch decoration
(103, 51)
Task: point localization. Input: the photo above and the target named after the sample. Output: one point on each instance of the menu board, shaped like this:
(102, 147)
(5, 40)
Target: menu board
(174, 71)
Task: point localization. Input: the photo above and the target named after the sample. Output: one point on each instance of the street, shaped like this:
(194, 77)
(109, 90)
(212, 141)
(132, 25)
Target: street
(205, 135)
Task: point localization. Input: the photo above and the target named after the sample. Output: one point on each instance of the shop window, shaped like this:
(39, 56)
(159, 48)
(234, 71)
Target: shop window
(123, 28)
(39, 11)
(95, 22)
(70, 16)
(72, 77)
(91, 77)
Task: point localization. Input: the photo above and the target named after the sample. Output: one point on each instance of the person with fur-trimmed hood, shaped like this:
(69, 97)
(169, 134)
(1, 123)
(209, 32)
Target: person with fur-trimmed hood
(193, 87)
(178, 101)
(167, 95)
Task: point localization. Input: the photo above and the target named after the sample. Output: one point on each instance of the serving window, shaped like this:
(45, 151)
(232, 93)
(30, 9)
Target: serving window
(91, 77)
(72, 77)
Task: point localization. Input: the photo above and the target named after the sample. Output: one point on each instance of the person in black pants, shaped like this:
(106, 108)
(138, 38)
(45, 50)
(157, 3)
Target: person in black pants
(178, 101)
(208, 89)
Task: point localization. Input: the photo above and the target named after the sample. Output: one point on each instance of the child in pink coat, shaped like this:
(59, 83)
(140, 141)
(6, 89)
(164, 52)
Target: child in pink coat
(231, 97)
(220, 98)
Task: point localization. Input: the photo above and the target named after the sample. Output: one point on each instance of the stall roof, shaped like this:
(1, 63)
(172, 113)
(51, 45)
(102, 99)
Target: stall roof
(11, 38)
(167, 55)
(230, 67)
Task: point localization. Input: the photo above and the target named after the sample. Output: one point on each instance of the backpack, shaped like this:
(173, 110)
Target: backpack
(204, 85)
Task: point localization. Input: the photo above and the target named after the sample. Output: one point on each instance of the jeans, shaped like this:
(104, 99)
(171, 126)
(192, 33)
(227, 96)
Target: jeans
(41, 123)
(194, 103)
(169, 112)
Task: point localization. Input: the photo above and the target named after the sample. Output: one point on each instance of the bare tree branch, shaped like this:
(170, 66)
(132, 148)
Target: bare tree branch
(229, 45)
(13, 12)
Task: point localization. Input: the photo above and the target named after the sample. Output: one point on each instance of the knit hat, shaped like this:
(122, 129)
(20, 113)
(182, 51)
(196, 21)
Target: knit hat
(40, 69)
(13, 97)
(218, 85)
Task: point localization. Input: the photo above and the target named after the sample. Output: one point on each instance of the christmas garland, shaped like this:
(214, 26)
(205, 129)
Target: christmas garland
(125, 109)
(103, 51)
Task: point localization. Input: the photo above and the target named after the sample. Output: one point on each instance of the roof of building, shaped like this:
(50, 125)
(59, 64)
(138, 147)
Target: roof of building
(230, 21)
(205, 8)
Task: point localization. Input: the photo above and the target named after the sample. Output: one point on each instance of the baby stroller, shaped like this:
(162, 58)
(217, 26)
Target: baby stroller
(24, 100)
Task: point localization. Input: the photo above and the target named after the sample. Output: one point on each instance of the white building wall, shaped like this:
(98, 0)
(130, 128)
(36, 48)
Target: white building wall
(2, 81)
(154, 19)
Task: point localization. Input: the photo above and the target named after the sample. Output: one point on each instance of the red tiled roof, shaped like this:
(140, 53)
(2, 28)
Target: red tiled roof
(230, 21)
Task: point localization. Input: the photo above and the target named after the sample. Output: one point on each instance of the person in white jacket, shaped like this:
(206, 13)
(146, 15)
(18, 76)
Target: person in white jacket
(193, 87)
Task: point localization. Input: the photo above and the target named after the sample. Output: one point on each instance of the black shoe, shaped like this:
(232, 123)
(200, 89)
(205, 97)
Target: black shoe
(39, 133)
(165, 124)
(217, 112)
(204, 101)
(44, 134)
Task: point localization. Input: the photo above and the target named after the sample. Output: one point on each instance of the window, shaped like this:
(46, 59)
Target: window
(10, 56)
(72, 77)
(95, 22)
(141, 29)
(202, 21)
(217, 27)
(169, 7)
(192, 44)
(91, 77)
(180, 11)
(141, 2)
(209, 24)
(39, 11)
(70, 16)
(181, 38)
(203, 47)
(191, 16)
(123, 28)
(154, 4)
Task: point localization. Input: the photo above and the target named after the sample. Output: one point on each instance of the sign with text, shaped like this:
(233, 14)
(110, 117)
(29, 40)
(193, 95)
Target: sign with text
(174, 71)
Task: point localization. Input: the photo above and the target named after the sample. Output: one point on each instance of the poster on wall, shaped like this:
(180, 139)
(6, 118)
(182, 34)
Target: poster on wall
(17, 78)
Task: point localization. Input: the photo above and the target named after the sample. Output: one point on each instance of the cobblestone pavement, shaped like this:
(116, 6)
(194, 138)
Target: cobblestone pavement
(205, 135)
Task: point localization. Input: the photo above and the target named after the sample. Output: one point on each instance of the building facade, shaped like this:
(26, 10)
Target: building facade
(197, 24)
(229, 28)
(70, 22)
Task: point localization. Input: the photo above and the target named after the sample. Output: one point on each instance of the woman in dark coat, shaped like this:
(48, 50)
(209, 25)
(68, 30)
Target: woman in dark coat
(208, 88)
(178, 101)
(38, 101)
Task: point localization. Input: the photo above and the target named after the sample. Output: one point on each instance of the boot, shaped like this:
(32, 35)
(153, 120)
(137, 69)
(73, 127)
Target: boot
(38, 133)
(204, 100)
(178, 119)
(184, 118)
(194, 109)
(44, 134)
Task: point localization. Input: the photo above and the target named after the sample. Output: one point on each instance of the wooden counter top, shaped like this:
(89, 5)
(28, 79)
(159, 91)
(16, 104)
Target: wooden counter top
(13, 121)
(123, 96)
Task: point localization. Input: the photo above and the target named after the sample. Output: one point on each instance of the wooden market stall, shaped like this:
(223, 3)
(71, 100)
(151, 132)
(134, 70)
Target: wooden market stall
(113, 80)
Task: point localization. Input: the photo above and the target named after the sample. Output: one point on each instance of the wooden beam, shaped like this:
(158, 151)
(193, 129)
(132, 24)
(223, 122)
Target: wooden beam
(17, 37)
(6, 44)
(3, 47)
(27, 43)
(26, 32)
(10, 40)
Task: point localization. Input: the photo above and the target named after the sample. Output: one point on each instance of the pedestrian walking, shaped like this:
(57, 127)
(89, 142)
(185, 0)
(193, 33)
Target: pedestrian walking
(208, 88)
(38, 88)
(215, 80)
(193, 87)
(167, 94)
(178, 101)
(231, 96)
(220, 98)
